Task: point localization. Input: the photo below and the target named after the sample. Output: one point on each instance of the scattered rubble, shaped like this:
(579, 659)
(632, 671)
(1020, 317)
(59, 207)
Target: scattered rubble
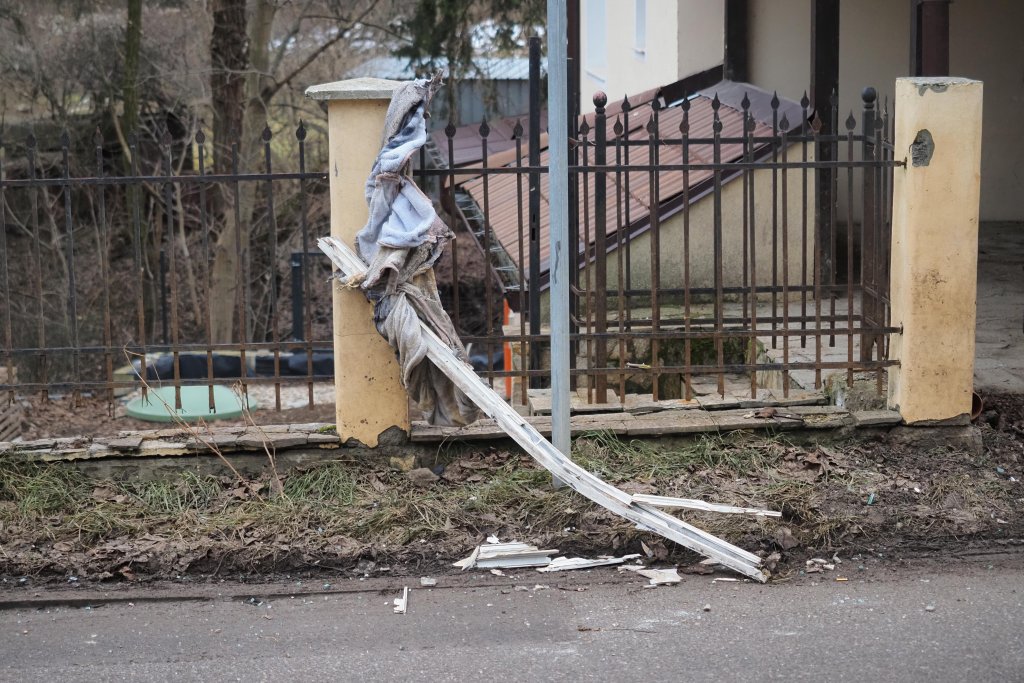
(658, 577)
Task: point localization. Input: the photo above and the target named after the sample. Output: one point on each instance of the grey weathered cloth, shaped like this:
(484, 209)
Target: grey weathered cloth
(401, 241)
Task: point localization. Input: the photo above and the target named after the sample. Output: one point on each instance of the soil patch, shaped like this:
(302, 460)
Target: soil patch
(362, 518)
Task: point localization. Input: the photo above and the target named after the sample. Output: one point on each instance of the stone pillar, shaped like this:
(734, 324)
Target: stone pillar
(934, 261)
(369, 395)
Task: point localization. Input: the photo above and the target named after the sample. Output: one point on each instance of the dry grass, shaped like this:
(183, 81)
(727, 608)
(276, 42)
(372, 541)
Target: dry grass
(54, 518)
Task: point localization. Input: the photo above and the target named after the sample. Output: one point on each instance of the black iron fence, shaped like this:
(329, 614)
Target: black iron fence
(714, 253)
(172, 269)
(712, 247)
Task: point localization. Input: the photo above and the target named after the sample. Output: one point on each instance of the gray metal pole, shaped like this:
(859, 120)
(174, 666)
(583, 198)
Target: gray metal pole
(558, 195)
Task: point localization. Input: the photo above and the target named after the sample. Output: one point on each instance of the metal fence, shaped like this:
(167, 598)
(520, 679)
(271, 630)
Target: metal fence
(107, 273)
(716, 243)
(721, 239)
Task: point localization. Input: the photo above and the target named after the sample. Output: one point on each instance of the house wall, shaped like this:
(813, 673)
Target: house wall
(624, 68)
(664, 57)
(975, 25)
(874, 49)
(702, 242)
(702, 24)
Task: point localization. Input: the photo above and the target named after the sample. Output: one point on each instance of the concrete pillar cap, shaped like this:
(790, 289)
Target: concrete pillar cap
(354, 89)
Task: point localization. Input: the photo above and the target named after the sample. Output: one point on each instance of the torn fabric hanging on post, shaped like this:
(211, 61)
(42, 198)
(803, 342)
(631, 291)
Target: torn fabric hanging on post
(402, 240)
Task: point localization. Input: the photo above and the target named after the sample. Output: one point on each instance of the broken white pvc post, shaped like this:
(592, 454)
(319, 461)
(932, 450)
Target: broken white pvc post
(934, 268)
(540, 449)
(369, 396)
(559, 257)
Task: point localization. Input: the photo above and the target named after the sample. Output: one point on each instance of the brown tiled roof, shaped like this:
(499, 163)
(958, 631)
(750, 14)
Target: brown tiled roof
(629, 192)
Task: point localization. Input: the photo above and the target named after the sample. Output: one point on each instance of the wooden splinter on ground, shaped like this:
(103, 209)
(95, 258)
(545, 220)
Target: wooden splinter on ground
(541, 450)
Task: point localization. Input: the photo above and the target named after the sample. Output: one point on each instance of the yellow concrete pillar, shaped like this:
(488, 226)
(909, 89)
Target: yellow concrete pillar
(369, 395)
(934, 281)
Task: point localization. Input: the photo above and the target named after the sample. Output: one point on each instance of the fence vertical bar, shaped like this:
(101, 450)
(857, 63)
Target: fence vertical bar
(775, 216)
(534, 210)
(587, 290)
(749, 127)
(165, 145)
(833, 209)
(524, 378)
(655, 220)
(621, 236)
(307, 313)
(241, 279)
(718, 246)
(805, 235)
(684, 130)
(785, 254)
(272, 248)
(485, 131)
(851, 124)
(104, 249)
(819, 272)
(868, 250)
(30, 151)
(626, 222)
(135, 198)
(204, 228)
(601, 246)
(69, 226)
(5, 283)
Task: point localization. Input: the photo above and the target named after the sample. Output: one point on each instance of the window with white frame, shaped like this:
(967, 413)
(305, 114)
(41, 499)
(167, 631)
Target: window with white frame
(597, 39)
(640, 28)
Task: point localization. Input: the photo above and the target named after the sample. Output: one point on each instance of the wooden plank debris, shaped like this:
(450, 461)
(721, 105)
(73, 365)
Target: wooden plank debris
(541, 450)
(691, 504)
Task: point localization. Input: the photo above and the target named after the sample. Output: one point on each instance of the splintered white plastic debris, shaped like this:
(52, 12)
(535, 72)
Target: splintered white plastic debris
(565, 563)
(506, 556)
(402, 603)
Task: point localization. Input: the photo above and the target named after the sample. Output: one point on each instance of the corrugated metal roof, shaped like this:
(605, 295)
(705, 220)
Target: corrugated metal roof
(493, 68)
(466, 143)
(630, 193)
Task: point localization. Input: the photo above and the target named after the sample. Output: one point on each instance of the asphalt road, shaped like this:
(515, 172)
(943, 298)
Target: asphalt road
(939, 623)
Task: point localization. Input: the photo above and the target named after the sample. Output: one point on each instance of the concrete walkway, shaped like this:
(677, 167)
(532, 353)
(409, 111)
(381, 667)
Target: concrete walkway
(999, 352)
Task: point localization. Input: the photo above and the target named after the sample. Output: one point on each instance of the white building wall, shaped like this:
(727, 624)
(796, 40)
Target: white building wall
(622, 67)
(701, 36)
(986, 43)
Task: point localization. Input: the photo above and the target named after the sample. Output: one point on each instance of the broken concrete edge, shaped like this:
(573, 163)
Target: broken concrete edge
(354, 89)
(162, 443)
(955, 421)
(170, 443)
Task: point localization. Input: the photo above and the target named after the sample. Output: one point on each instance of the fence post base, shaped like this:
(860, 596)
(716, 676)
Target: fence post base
(369, 397)
(933, 283)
